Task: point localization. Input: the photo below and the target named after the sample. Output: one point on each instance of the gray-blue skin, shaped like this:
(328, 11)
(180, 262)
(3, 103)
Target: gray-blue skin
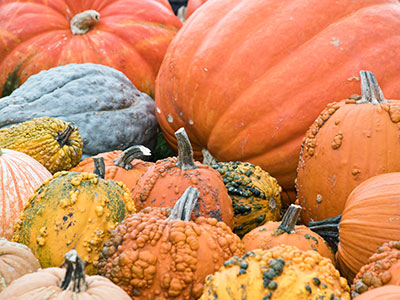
(110, 113)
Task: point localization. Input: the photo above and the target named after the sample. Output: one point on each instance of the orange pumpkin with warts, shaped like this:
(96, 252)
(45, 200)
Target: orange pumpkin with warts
(124, 166)
(160, 254)
(334, 140)
(287, 232)
(163, 183)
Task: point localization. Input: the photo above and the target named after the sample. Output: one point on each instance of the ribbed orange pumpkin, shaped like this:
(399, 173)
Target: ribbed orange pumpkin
(350, 141)
(192, 5)
(128, 35)
(20, 175)
(247, 78)
(370, 218)
(124, 166)
(164, 182)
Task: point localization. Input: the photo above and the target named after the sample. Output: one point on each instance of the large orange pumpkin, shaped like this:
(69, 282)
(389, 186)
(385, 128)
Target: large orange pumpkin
(192, 5)
(128, 35)
(20, 175)
(247, 78)
(352, 140)
(371, 217)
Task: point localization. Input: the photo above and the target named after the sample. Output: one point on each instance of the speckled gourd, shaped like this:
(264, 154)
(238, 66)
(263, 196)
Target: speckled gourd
(72, 210)
(101, 101)
(280, 273)
(383, 268)
(255, 195)
(54, 143)
(160, 254)
(15, 260)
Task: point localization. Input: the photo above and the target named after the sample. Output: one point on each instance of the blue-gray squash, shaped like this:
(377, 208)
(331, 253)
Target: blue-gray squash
(109, 111)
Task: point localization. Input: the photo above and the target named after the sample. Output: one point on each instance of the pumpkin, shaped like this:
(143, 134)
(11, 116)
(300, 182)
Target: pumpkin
(54, 143)
(72, 210)
(370, 219)
(20, 175)
(63, 284)
(383, 268)
(129, 35)
(192, 5)
(288, 233)
(281, 273)
(246, 79)
(15, 260)
(160, 254)
(163, 183)
(101, 101)
(124, 166)
(387, 292)
(255, 195)
(334, 141)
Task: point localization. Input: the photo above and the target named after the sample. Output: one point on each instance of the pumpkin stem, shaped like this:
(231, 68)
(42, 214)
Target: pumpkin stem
(183, 208)
(99, 166)
(63, 137)
(208, 159)
(328, 229)
(185, 151)
(370, 90)
(74, 276)
(84, 21)
(289, 220)
(135, 152)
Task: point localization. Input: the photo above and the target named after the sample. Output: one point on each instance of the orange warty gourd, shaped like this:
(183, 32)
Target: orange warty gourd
(20, 175)
(287, 233)
(247, 78)
(160, 254)
(15, 260)
(124, 166)
(387, 292)
(164, 182)
(63, 284)
(129, 35)
(345, 139)
(370, 219)
(383, 268)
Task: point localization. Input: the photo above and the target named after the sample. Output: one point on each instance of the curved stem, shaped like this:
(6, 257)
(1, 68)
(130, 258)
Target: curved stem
(135, 152)
(208, 159)
(289, 220)
(183, 208)
(99, 166)
(328, 229)
(63, 137)
(74, 276)
(185, 151)
(370, 90)
(84, 21)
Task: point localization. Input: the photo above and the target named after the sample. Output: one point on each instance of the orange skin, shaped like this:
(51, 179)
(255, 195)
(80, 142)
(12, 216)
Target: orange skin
(131, 36)
(304, 239)
(247, 86)
(192, 5)
(387, 292)
(164, 183)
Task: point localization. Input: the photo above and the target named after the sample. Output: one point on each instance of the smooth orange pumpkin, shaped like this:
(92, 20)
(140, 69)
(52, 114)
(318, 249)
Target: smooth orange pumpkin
(370, 219)
(351, 141)
(387, 292)
(247, 78)
(20, 175)
(129, 35)
(192, 5)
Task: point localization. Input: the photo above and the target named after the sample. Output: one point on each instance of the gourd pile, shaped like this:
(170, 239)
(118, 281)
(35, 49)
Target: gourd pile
(224, 149)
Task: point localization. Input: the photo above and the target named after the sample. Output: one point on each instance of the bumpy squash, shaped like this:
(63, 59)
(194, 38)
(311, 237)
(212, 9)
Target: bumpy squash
(247, 78)
(54, 143)
(288, 233)
(255, 195)
(119, 165)
(383, 268)
(128, 35)
(15, 260)
(101, 101)
(20, 175)
(72, 210)
(280, 273)
(160, 254)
